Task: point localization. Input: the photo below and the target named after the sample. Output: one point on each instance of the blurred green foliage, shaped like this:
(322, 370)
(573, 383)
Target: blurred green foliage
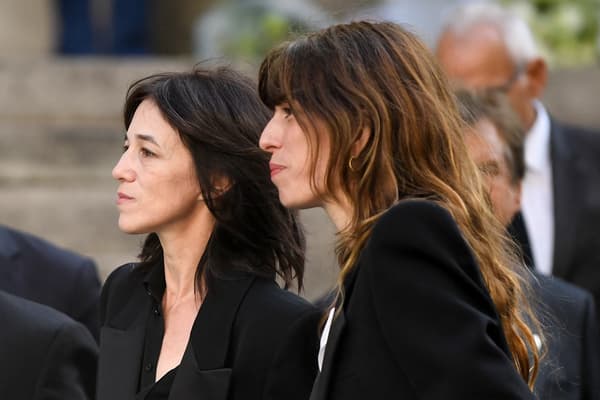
(257, 30)
(566, 30)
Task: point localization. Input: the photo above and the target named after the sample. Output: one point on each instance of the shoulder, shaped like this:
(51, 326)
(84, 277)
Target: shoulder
(39, 344)
(44, 252)
(559, 296)
(579, 138)
(118, 288)
(275, 303)
(416, 240)
(418, 222)
(269, 313)
(122, 275)
(29, 318)
(413, 214)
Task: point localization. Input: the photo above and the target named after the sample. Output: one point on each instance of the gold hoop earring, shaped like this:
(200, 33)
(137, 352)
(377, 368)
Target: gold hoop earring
(352, 158)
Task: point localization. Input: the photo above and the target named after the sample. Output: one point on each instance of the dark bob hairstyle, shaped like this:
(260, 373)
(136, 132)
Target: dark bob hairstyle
(219, 118)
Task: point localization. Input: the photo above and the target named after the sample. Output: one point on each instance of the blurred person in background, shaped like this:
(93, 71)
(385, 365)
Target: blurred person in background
(571, 365)
(37, 270)
(45, 354)
(201, 316)
(483, 46)
(84, 30)
(428, 303)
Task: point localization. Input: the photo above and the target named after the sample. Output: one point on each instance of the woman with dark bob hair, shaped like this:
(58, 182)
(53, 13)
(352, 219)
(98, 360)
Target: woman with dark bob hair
(201, 315)
(428, 305)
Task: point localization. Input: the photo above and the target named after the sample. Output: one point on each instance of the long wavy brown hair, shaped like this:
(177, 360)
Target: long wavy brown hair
(378, 76)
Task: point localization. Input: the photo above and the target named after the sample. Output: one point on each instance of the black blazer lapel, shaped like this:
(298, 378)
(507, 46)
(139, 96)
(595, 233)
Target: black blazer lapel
(203, 372)
(121, 344)
(567, 196)
(321, 386)
(320, 389)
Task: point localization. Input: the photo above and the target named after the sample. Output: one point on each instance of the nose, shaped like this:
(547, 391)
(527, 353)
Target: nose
(269, 139)
(122, 171)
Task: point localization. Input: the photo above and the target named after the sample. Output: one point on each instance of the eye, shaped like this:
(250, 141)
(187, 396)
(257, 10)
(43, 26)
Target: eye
(490, 169)
(125, 147)
(146, 153)
(286, 110)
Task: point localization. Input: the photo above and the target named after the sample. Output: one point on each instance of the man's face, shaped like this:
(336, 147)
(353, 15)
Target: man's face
(488, 151)
(479, 60)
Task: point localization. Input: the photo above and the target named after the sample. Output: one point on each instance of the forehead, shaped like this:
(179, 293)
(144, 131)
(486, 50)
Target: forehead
(476, 58)
(149, 120)
(484, 143)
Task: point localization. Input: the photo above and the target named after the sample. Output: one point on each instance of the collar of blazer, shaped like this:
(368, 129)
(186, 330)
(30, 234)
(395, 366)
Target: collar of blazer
(321, 387)
(202, 369)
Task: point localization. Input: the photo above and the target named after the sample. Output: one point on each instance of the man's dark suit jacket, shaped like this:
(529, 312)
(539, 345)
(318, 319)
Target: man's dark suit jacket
(570, 324)
(39, 271)
(575, 155)
(44, 355)
(417, 320)
(572, 367)
(255, 341)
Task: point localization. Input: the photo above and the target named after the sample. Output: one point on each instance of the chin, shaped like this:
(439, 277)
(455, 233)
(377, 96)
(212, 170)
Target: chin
(296, 203)
(130, 227)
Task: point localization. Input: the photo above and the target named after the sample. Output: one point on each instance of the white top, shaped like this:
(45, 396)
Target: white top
(537, 204)
(324, 337)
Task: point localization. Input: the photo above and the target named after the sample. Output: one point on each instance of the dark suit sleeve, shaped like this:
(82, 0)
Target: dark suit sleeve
(293, 371)
(591, 353)
(433, 310)
(87, 294)
(69, 371)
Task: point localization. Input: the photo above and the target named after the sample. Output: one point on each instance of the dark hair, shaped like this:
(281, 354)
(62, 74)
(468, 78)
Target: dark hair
(219, 118)
(475, 106)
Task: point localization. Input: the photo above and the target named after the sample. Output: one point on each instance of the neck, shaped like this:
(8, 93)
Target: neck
(182, 249)
(340, 213)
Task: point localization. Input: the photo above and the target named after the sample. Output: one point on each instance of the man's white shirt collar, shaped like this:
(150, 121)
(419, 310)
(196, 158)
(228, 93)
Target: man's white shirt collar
(537, 141)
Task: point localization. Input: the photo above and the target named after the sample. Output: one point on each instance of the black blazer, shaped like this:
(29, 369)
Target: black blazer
(44, 355)
(572, 366)
(39, 271)
(256, 341)
(575, 155)
(417, 321)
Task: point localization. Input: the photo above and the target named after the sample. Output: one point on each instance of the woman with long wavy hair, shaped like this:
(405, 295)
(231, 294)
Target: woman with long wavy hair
(201, 316)
(428, 305)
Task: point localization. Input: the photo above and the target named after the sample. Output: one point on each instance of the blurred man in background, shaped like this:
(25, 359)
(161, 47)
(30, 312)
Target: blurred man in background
(483, 46)
(569, 371)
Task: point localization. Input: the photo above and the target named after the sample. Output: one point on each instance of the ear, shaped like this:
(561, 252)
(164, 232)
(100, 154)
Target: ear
(220, 185)
(360, 143)
(537, 77)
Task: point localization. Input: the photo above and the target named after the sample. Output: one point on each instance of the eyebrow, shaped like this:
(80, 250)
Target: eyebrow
(145, 138)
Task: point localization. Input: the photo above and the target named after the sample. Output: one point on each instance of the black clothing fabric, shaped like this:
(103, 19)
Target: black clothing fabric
(418, 322)
(37, 270)
(44, 354)
(571, 367)
(155, 328)
(250, 340)
(159, 390)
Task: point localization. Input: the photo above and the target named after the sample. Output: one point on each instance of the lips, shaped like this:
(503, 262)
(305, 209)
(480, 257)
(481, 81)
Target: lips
(275, 169)
(123, 198)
